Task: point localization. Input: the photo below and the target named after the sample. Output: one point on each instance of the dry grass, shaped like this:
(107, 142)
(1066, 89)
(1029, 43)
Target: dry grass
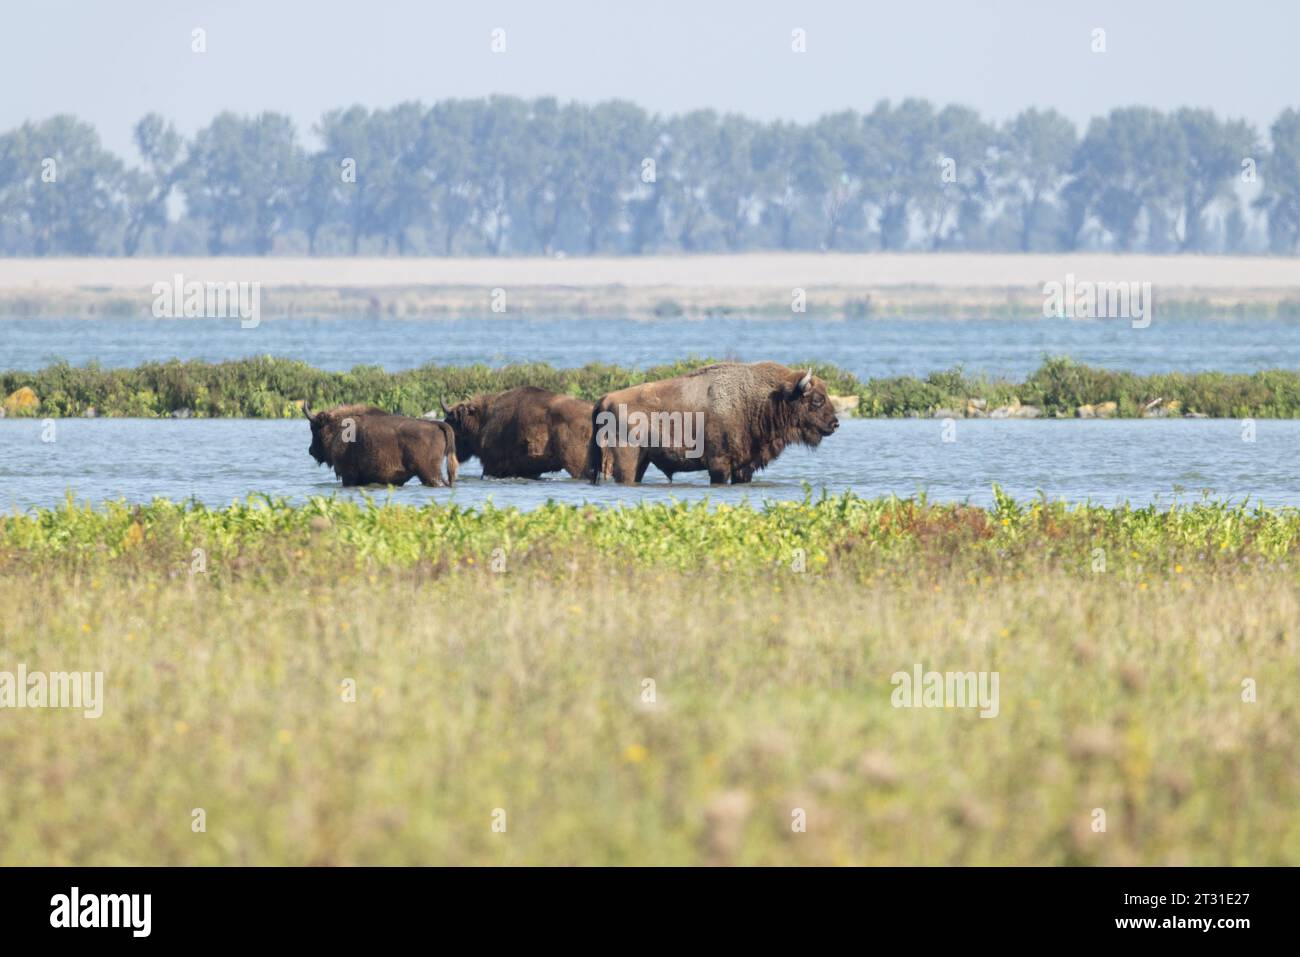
(523, 691)
(954, 284)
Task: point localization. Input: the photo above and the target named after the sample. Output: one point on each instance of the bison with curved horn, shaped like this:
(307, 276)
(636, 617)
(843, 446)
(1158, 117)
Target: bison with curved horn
(368, 446)
(729, 419)
(523, 433)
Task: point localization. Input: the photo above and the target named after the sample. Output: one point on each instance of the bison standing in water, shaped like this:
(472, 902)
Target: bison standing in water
(368, 446)
(730, 419)
(523, 433)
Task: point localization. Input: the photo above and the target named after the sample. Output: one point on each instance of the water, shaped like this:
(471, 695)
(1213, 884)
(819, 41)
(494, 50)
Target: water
(868, 348)
(217, 461)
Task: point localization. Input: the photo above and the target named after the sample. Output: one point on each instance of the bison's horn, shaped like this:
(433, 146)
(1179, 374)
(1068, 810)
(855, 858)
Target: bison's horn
(443, 405)
(306, 409)
(805, 383)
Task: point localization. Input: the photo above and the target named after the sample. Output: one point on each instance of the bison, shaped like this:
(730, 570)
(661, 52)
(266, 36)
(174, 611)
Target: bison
(730, 419)
(368, 446)
(523, 433)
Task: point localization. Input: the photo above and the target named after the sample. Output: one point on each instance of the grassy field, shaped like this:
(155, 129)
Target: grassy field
(501, 661)
(275, 388)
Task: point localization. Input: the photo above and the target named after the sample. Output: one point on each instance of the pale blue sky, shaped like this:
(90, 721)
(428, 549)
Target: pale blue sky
(111, 62)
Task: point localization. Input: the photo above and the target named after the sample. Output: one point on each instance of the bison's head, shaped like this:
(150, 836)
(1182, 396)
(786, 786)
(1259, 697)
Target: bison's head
(809, 409)
(466, 420)
(319, 448)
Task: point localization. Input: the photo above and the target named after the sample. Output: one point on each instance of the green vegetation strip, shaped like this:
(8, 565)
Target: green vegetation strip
(268, 538)
(271, 388)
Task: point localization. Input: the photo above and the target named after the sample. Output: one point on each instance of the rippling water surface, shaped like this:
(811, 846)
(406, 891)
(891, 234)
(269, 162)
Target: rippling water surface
(869, 348)
(217, 461)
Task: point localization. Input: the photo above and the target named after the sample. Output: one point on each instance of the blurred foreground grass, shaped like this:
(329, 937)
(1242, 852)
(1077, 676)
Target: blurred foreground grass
(501, 661)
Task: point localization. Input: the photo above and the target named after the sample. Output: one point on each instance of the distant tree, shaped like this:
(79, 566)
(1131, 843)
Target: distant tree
(834, 163)
(503, 156)
(731, 183)
(954, 200)
(399, 195)
(346, 136)
(1131, 161)
(64, 191)
(385, 192)
(646, 206)
(1036, 151)
(691, 144)
(905, 149)
(781, 156)
(317, 205)
(558, 138)
(617, 137)
(149, 189)
(241, 176)
(14, 172)
(450, 167)
(1234, 229)
(1281, 175)
(1215, 150)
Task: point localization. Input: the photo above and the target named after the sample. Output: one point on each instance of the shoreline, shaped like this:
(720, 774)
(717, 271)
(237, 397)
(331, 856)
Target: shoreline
(852, 285)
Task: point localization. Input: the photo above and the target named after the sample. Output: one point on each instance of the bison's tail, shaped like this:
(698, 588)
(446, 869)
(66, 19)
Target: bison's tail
(600, 460)
(453, 464)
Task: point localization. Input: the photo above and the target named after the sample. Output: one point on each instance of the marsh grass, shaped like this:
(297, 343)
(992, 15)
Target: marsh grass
(267, 387)
(522, 688)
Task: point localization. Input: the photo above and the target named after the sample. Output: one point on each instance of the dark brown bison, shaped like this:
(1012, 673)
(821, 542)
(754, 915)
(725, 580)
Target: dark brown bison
(523, 433)
(368, 446)
(730, 419)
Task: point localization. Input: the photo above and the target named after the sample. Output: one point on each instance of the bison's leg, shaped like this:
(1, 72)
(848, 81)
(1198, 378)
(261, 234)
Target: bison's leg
(578, 463)
(720, 470)
(424, 459)
(742, 475)
(430, 472)
(599, 464)
(628, 467)
(641, 467)
(449, 449)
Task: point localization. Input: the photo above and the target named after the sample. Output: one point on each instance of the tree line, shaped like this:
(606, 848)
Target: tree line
(507, 176)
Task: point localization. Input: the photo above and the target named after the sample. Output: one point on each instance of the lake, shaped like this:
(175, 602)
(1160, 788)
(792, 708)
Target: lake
(217, 461)
(868, 348)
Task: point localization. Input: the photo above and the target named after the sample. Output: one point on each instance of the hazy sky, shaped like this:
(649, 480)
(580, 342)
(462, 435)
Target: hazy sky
(111, 62)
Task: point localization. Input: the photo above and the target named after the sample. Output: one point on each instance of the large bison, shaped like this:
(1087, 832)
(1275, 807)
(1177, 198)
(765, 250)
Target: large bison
(368, 446)
(523, 433)
(729, 419)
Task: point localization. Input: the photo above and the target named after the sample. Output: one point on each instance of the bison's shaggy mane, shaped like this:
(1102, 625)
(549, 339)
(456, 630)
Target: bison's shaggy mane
(761, 395)
(329, 424)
